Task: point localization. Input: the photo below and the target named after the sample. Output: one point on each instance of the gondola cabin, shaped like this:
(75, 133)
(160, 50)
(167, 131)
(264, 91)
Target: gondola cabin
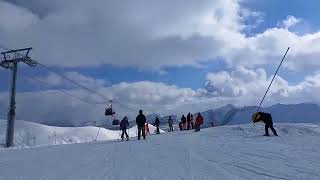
(109, 112)
(116, 122)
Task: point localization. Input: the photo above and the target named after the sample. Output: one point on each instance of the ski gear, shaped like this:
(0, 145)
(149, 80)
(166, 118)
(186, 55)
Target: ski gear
(183, 122)
(124, 124)
(170, 122)
(189, 121)
(157, 123)
(141, 129)
(267, 119)
(192, 122)
(147, 129)
(199, 122)
(141, 120)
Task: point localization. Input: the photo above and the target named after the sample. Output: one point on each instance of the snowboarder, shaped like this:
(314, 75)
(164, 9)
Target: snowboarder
(188, 121)
(124, 124)
(141, 120)
(147, 129)
(267, 119)
(157, 124)
(199, 122)
(192, 122)
(170, 122)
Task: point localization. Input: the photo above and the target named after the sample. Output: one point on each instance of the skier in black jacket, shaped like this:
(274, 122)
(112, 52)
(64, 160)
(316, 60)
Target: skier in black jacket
(184, 122)
(267, 119)
(189, 121)
(124, 124)
(141, 120)
(157, 124)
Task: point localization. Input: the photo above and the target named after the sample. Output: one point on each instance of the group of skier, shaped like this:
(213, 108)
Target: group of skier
(186, 123)
(143, 127)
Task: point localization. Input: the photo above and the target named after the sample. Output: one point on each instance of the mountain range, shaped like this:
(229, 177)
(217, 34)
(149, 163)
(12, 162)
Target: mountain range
(226, 115)
(232, 115)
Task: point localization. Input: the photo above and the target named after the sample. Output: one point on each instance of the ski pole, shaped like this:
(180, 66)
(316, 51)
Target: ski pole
(97, 134)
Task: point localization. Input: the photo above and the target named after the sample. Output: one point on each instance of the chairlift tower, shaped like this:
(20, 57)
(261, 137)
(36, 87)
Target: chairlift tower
(10, 60)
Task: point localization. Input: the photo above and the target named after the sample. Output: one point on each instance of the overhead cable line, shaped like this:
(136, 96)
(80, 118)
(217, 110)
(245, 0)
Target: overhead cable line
(73, 81)
(77, 84)
(63, 91)
(84, 87)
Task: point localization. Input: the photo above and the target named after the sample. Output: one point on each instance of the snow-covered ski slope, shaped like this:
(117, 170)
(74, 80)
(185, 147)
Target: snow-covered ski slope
(229, 152)
(28, 134)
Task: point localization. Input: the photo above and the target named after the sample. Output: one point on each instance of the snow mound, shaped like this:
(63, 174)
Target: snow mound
(31, 134)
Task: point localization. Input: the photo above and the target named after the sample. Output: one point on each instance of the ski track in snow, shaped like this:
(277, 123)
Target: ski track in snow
(229, 152)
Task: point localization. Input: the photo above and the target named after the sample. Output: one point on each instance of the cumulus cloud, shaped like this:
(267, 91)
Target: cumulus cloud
(239, 87)
(13, 18)
(247, 86)
(290, 21)
(58, 81)
(51, 106)
(144, 33)
(240, 82)
(150, 34)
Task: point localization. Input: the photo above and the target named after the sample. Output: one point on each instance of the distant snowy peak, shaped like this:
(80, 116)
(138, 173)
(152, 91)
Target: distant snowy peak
(226, 115)
(281, 113)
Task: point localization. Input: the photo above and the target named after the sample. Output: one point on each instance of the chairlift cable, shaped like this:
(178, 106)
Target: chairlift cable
(61, 90)
(76, 83)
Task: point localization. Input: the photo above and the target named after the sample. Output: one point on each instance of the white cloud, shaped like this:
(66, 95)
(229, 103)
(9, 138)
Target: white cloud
(150, 34)
(247, 87)
(289, 22)
(15, 19)
(143, 34)
(239, 87)
(153, 34)
(58, 81)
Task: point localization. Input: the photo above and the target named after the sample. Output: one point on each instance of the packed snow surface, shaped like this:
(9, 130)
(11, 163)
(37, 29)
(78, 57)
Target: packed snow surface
(228, 152)
(28, 134)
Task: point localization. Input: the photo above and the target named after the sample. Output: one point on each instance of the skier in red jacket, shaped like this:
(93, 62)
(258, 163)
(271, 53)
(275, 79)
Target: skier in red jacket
(199, 122)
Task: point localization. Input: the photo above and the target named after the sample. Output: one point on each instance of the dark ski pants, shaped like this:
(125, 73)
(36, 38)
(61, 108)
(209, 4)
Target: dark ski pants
(143, 132)
(197, 127)
(158, 130)
(170, 128)
(189, 125)
(270, 125)
(180, 126)
(124, 132)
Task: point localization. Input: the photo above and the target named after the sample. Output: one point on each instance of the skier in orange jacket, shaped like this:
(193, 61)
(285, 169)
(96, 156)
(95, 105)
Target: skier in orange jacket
(199, 122)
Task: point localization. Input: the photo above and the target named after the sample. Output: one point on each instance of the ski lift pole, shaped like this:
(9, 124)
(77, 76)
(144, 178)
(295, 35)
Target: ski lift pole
(272, 79)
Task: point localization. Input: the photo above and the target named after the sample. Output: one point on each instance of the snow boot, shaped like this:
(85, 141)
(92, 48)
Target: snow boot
(266, 135)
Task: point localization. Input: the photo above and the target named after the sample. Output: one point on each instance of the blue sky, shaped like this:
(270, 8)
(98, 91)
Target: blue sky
(275, 10)
(166, 56)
